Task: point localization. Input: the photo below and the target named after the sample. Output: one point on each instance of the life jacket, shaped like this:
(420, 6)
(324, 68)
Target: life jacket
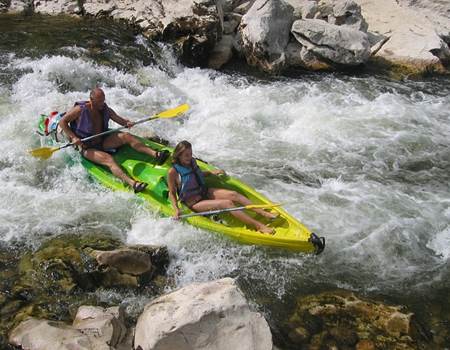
(192, 181)
(82, 127)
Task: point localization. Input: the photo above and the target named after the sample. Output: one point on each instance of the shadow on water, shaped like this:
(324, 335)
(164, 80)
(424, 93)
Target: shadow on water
(103, 41)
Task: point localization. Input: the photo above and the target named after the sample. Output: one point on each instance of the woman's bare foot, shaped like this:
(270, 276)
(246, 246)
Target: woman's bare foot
(264, 229)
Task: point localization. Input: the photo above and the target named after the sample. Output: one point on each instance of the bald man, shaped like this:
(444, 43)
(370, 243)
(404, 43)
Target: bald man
(92, 117)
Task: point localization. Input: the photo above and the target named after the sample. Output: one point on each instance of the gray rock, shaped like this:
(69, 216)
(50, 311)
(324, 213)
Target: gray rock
(56, 7)
(416, 30)
(348, 12)
(212, 315)
(341, 45)
(243, 8)
(49, 335)
(265, 34)
(125, 260)
(304, 8)
(103, 326)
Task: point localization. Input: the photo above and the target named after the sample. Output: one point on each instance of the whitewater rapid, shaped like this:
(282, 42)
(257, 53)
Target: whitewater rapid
(363, 161)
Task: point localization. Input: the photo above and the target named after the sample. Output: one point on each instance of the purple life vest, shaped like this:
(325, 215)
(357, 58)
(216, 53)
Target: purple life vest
(82, 127)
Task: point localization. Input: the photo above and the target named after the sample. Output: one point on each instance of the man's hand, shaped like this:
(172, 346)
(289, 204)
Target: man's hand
(77, 142)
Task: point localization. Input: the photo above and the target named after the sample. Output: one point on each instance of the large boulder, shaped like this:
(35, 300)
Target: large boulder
(338, 45)
(94, 328)
(264, 34)
(418, 31)
(212, 315)
(49, 335)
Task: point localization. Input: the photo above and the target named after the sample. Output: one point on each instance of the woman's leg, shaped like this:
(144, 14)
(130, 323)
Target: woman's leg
(212, 204)
(221, 193)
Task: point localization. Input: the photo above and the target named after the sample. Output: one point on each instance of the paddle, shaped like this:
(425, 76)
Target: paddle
(218, 211)
(46, 152)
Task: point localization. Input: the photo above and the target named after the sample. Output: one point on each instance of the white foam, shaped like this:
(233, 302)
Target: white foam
(440, 243)
(337, 151)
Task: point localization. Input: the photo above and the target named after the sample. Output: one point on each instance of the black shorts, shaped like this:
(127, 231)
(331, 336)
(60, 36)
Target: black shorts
(98, 146)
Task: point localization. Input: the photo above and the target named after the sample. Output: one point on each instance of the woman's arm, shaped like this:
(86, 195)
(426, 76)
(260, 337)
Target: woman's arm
(172, 182)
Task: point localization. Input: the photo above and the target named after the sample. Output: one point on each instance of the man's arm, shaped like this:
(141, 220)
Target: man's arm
(71, 116)
(119, 120)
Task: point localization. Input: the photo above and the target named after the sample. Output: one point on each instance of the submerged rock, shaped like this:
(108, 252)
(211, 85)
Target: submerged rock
(343, 320)
(62, 274)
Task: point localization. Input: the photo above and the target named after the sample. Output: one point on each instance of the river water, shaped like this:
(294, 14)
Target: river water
(361, 160)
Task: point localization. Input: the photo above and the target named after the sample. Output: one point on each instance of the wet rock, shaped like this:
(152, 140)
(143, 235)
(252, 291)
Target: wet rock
(131, 266)
(365, 345)
(304, 8)
(53, 280)
(125, 260)
(342, 320)
(231, 22)
(299, 335)
(346, 12)
(222, 52)
(299, 56)
(264, 34)
(212, 315)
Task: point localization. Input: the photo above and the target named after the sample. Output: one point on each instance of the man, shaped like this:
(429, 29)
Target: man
(89, 118)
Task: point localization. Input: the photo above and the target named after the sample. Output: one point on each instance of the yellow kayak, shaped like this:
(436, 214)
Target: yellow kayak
(289, 232)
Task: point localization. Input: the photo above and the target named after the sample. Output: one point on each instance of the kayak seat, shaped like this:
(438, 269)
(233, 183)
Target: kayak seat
(153, 176)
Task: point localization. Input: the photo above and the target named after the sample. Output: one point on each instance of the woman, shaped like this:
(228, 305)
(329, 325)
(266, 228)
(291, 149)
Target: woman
(186, 180)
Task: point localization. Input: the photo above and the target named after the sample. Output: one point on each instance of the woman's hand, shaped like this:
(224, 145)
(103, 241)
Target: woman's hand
(177, 214)
(218, 172)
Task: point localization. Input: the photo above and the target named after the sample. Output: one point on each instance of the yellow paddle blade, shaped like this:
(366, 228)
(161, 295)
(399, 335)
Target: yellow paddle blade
(174, 112)
(262, 206)
(43, 152)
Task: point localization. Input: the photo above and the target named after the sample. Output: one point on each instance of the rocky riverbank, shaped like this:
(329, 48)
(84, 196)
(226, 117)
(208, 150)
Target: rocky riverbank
(49, 301)
(411, 37)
